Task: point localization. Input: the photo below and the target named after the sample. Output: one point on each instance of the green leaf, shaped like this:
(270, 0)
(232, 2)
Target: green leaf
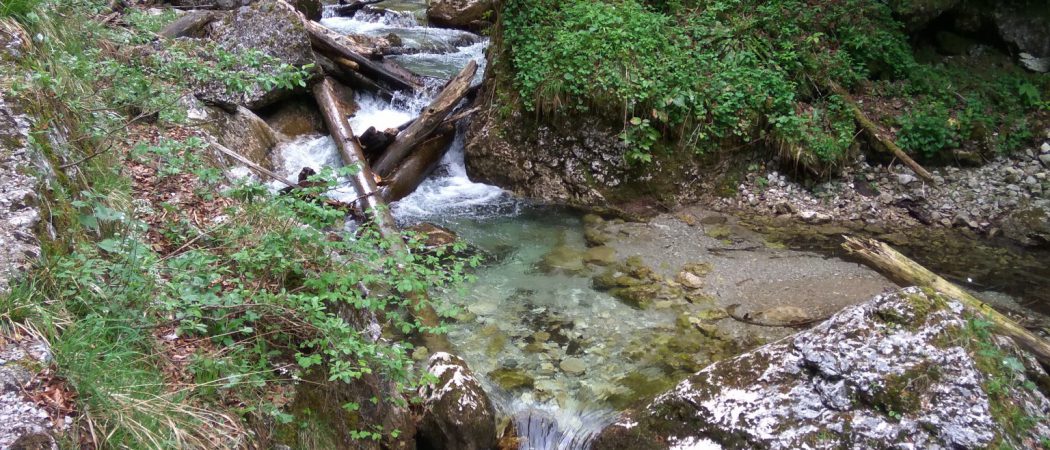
(109, 245)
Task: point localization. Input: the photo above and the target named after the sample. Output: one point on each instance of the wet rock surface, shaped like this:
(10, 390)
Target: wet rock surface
(457, 413)
(898, 368)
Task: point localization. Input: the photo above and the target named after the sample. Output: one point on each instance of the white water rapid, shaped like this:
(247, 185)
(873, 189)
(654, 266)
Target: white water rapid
(447, 194)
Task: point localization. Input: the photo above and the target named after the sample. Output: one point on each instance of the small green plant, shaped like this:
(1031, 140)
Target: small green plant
(928, 130)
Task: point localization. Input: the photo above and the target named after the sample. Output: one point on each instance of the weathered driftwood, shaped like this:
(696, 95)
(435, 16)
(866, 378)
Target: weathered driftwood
(373, 204)
(431, 117)
(349, 9)
(907, 272)
(352, 78)
(875, 136)
(332, 44)
(190, 24)
(415, 168)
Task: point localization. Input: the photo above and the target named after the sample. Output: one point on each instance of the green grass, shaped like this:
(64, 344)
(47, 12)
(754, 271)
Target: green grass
(18, 9)
(264, 293)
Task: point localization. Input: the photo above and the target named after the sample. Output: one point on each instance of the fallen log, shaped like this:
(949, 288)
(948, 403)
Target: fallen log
(349, 9)
(190, 24)
(373, 205)
(431, 117)
(418, 165)
(352, 78)
(875, 134)
(905, 271)
(332, 44)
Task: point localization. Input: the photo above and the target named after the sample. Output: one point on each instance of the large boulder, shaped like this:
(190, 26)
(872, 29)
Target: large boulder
(1025, 24)
(464, 14)
(240, 130)
(906, 367)
(457, 414)
(271, 28)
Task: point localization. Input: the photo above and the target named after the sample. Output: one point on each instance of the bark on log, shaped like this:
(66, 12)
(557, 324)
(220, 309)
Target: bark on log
(431, 117)
(373, 205)
(875, 134)
(333, 44)
(189, 25)
(423, 160)
(907, 272)
(352, 78)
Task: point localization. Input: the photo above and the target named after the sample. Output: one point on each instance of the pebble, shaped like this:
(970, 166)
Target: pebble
(573, 366)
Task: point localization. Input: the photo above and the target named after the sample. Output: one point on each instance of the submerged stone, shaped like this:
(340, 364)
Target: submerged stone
(573, 366)
(511, 378)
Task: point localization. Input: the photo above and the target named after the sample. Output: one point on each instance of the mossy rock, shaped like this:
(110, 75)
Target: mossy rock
(640, 297)
(512, 378)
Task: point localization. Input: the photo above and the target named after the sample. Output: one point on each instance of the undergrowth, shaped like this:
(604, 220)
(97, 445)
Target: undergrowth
(702, 74)
(264, 295)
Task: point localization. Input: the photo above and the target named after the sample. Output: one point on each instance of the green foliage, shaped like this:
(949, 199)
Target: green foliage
(700, 76)
(276, 287)
(18, 9)
(1004, 374)
(927, 130)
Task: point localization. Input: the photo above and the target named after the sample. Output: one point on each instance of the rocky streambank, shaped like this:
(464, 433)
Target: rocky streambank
(908, 367)
(1007, 196)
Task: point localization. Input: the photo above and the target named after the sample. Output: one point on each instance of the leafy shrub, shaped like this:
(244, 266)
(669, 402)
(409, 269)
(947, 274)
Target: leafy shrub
(699, 76)
(928, 130)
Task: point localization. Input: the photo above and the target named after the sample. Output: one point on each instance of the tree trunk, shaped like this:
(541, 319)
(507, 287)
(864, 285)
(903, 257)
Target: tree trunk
(907, 272)
(428, 120)
(875, 134)
(352, 78)
(372, 204)
(331, 43)
(415, 168)
(189, 25)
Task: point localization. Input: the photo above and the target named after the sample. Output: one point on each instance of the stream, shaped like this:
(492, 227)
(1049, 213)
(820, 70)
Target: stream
(558, 356)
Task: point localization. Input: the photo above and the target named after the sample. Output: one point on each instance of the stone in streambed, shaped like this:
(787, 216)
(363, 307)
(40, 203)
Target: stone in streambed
(573, 366)
(562, 259)
(689, 280)
(511, 378)
(602, 255)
